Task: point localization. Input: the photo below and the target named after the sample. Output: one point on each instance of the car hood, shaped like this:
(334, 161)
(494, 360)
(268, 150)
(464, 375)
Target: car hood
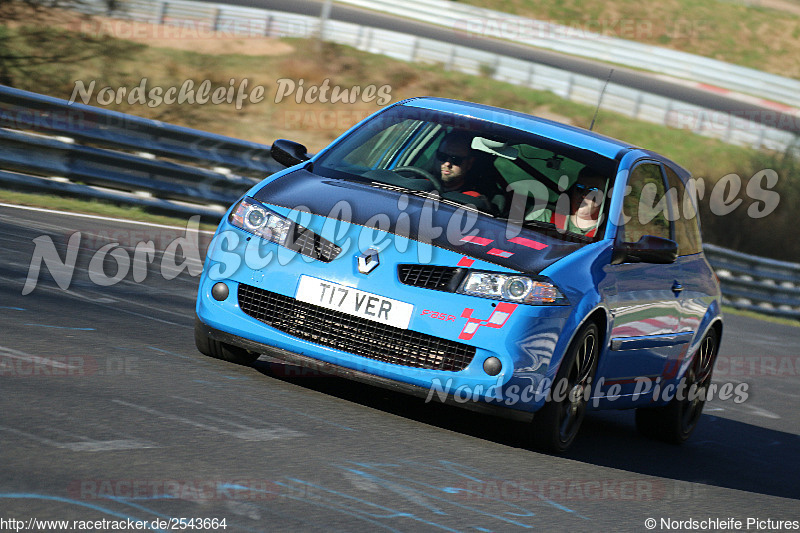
(419, 216)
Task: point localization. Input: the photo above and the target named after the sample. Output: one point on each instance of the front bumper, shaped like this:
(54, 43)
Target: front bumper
(362, 377)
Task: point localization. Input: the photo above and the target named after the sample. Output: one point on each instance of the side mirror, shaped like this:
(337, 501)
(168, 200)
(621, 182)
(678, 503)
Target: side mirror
(288, 153)
(648, 249)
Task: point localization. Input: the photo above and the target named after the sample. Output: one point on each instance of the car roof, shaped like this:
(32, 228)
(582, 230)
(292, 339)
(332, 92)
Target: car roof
(578, 137)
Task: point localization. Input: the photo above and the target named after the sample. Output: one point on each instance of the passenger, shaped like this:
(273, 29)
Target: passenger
(586, 200)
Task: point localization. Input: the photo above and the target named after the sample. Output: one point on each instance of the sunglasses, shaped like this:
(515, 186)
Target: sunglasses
(450, 158)
(584, 190)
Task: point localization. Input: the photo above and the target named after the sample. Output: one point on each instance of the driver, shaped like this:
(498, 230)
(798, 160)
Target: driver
(456, 158)
(467, 175)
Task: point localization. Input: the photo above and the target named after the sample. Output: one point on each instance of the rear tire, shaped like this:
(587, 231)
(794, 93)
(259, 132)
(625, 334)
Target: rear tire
(556, 425)
(220, 350)
(675, 422)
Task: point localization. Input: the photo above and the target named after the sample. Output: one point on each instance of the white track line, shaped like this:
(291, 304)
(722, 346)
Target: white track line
(99, 217)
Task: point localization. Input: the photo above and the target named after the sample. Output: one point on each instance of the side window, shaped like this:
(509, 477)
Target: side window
(684, 213)
(645, 206)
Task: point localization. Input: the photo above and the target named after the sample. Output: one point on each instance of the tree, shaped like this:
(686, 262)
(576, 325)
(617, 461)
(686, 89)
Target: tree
(36, 33)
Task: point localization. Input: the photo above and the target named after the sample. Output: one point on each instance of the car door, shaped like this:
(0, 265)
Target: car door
(644, 298)
(698, 286)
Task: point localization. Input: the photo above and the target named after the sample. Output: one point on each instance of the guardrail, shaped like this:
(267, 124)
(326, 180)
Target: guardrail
(481, 22)
(201, 17)
(753, 283)
(51, 145)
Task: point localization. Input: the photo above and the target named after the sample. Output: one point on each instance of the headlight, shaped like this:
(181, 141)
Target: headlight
(512, 288)
(251, 216)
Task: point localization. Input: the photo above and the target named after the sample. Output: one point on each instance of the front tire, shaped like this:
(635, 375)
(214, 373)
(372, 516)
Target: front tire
(220, 350)
(556, 425)
(675, 422)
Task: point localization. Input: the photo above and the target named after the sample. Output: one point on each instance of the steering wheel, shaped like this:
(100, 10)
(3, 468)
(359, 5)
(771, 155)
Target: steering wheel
(437, 184)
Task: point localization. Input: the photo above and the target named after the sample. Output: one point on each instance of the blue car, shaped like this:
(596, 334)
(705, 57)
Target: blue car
(480, 257)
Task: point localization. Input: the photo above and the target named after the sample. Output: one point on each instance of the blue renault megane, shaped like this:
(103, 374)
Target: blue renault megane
(480, 257)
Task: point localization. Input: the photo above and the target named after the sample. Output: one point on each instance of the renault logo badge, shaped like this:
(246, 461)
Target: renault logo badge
(368, 261)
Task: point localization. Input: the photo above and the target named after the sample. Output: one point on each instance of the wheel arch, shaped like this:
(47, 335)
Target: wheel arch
(599, 316)
(710, 322)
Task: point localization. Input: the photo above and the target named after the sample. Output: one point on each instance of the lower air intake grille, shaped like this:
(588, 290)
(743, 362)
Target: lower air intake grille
(352, 334)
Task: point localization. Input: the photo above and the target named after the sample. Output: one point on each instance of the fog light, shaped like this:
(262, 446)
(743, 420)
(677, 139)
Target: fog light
(492, 366)
(219, 291)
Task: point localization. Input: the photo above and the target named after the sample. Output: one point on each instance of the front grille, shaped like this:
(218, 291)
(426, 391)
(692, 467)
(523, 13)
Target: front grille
(440, 278)
(308, 243)
(353, 334)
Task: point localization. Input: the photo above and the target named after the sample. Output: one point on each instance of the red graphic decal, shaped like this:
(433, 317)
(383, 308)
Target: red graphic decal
(522, 241)
(497, 319)
(500, 253)
(474, 239)
(439, 316)
(466, 262)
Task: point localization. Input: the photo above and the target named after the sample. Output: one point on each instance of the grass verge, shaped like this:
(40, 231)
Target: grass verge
(728, 310)
(93, 207)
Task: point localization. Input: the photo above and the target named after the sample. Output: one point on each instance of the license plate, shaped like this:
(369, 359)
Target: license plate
(354, 302)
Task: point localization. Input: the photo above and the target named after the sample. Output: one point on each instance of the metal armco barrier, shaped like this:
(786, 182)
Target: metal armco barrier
(753, 283)
(46, 141)
(40, 149)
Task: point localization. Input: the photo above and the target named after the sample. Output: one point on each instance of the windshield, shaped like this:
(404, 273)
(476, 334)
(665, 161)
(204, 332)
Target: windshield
(500, 171)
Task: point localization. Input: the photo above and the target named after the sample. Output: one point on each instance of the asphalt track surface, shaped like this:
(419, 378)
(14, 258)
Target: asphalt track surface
(770, 116)
(107, 411)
